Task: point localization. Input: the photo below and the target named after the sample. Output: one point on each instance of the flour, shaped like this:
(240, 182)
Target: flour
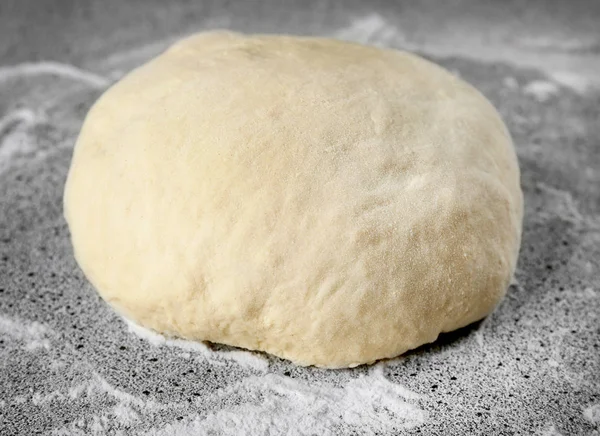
(541, 90)
(33, 335)
(369, 404)
(561, 203)
(510, 83)
(52, 68)
(245, 359)
(15, 136)
(125, 414)
(128, 410)
(271, 401)
(592, 413)
(566, 67)
(549, 44)
(20, 142)
(374, 30)
(258, 404)
(550, 431)
(19, 116)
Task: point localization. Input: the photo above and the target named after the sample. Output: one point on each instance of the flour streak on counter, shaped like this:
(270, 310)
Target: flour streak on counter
(245, 359)
(562, 204)
(127, 411)
(267, 401)
(32, 334)
(19, 141)
(52, 68)
(592, 413)
(571, 68)
(21, 116)
(15, 135)
(370, 404)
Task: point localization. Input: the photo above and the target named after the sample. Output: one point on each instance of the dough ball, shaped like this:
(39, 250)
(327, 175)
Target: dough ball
(326, 202)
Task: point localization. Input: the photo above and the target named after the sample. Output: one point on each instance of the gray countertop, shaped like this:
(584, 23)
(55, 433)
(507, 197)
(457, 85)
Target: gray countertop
(71, 366)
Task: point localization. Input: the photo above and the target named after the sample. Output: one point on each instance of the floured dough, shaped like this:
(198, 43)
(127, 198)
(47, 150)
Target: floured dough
(325, 202)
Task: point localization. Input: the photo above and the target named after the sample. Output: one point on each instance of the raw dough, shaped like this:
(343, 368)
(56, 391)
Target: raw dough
(325, 202)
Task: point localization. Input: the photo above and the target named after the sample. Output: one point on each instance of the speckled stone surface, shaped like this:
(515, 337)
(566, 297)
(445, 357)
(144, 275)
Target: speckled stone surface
(70, 366)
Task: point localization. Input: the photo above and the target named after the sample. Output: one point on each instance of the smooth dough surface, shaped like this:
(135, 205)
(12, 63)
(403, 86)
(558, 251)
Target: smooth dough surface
(323, 201)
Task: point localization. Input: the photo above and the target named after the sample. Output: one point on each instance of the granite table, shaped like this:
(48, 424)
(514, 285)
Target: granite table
(71, 366)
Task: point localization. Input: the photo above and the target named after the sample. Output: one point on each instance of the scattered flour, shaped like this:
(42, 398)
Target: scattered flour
(128, 409)
(541, 90)
(245, 359)
(573, 80)
(369, 405)
(19, 116)
(258, 404)
(564, 205)
(550, 431)
(374, 30)
(510, 83)
(99, 386)
(568, 45)
(479, 335)
(19, 399)
(53, 68)
(569, 69)
(18, 143)
(15, 135)
(592, 413)
(33, 335)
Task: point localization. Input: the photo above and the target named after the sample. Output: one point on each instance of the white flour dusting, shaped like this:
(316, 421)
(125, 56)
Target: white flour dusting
(479, 333)
(33, 335)
(295, 407)
(550, 431)
(572, 70)
(592, 413)
(511, 83)
(369, 404)
(125, 415)
(245, 359)
(538, 42)
(562, 203)
(99, 386)
(52, 68)
(23, 115)
(259, 404)
(374, 30)
(541, 90)
(15, 135)
(128, 410)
